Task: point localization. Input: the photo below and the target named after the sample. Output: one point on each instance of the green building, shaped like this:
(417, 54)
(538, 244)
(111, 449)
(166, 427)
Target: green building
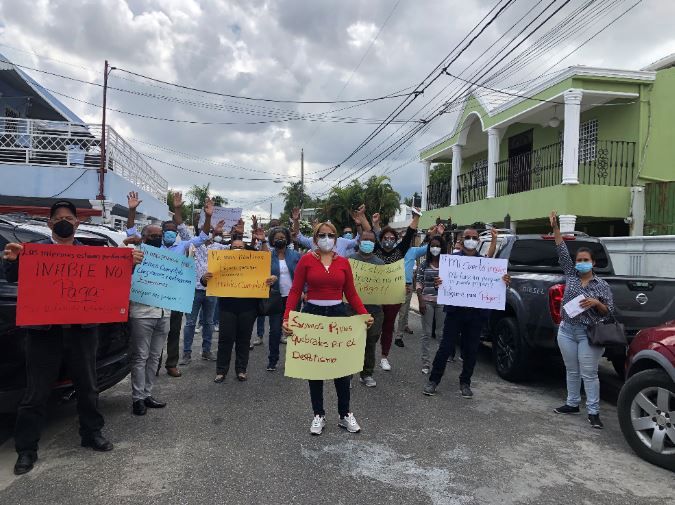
(586, 142)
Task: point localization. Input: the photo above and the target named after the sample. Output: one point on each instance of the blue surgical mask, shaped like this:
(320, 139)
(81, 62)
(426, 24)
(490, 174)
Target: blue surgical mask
(348, 236)
(367, 246)
(584, 267)
(169, 237)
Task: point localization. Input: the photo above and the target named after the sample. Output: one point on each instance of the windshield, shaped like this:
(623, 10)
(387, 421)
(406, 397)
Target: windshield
(542, 253)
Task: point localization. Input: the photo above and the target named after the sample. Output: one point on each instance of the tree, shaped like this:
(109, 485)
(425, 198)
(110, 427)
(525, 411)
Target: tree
(440, 173)
(379, 196)
(198, 195)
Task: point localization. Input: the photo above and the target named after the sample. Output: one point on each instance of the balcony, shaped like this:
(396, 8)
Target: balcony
(57, 143)
(604, 163)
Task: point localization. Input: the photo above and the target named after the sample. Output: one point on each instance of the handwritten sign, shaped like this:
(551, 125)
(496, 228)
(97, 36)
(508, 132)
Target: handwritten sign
(231, 217)
(325, 347)
(73, 285)
(239, 274)
(472, 281)
(379, 284)
(164, 279)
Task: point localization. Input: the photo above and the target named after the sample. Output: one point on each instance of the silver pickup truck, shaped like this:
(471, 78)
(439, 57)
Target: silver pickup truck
(530, 322)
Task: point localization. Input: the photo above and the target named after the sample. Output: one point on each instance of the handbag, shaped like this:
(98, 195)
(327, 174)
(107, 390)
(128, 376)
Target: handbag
(609, 333)
(272, 305)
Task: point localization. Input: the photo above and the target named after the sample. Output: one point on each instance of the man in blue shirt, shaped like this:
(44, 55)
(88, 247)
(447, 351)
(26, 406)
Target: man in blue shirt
(170, 231)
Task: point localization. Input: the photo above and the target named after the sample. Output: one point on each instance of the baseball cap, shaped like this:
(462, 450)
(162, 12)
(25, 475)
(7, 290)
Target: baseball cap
(63, 204)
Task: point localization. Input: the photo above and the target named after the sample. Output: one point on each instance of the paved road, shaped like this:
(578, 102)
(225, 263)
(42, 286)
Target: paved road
(248, 443)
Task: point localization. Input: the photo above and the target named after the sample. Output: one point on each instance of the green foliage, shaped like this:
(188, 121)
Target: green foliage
(440, 173)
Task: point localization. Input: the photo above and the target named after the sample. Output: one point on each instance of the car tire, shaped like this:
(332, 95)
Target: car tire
(648, 383)
(510, 352)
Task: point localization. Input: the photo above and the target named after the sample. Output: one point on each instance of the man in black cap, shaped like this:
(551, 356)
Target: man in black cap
(46, 348)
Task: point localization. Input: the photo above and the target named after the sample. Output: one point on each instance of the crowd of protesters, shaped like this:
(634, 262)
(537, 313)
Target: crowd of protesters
(311, 274)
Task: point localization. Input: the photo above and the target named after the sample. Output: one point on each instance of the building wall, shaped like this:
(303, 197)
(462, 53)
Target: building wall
(659, 161)
(586, 201)
(46, 182)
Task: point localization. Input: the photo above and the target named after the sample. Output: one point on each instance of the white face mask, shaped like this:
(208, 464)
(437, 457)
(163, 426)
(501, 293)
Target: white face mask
(470, 243)
(326, 244)
(435, 251)
(218, 239)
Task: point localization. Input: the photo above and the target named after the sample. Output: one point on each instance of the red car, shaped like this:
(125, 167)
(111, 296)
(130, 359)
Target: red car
(646, 404)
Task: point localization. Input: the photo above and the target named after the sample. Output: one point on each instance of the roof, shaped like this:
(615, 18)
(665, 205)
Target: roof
(7, 66)
(495, 101)
(662, 64)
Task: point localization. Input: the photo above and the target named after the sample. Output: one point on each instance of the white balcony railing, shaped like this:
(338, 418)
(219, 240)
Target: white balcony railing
(40, 142)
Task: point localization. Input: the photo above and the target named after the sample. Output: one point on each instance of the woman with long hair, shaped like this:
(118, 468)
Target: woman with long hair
(427, 294)
(327, 278)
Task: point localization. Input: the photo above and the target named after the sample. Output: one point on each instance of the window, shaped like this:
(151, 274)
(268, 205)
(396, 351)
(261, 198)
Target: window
(588, 140)
(541, 254)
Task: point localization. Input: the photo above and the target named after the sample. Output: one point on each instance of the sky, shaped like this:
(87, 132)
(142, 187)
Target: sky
(318, 50)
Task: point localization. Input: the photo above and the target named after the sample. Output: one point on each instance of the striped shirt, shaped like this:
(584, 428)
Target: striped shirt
(425, 281)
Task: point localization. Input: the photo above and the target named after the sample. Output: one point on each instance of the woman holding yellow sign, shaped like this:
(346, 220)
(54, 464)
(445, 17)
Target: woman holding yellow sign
(328, 277)
(237, 316)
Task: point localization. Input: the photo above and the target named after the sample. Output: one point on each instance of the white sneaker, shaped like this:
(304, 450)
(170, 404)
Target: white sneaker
(318, 424)
(385, 365)
(349, 423)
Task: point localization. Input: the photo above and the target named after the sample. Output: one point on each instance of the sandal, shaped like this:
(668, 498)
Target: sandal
(219, 379)
(241, 376)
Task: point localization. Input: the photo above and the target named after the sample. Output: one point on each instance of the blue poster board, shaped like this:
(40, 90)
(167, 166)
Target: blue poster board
(164, 279)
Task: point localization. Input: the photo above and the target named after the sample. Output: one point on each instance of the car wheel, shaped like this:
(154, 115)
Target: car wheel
(646, 410)
(509, 350)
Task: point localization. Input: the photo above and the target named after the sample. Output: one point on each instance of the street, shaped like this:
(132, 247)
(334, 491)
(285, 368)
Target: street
(249, 443)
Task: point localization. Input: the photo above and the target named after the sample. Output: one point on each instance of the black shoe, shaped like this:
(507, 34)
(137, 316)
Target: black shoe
(566, 409)
(595, 421)
(25, 462)
(430, 388)
(466, 391)
(138, 408)
(151, 403)
(271, 368)
(98, 443)
(399, 342)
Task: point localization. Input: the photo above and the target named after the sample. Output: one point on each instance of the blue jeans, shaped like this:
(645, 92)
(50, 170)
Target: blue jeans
(207, 305)
(581, 362)
(260, 326)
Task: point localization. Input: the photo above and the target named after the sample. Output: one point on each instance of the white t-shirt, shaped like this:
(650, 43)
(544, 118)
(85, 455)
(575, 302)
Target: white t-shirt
(285, 281)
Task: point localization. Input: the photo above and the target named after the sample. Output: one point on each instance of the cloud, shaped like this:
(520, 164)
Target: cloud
(286, 49)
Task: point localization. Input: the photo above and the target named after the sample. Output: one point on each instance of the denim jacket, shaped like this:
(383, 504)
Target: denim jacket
(292, 258)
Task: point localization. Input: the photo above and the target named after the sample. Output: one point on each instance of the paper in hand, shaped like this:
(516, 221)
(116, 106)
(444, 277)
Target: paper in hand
(573, 307)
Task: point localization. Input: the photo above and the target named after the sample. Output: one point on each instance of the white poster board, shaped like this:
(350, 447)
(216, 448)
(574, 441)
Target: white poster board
(472, 281)
(231, 216)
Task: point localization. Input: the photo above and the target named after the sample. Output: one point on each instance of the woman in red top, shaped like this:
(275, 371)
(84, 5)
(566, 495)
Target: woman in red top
(327, 277)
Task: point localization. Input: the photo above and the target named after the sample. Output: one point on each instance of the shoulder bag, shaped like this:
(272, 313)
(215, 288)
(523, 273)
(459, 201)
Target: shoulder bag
(607, 333)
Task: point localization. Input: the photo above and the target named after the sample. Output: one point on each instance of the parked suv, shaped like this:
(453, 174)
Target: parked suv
(533, 301)
(112, 361)
(646, 406)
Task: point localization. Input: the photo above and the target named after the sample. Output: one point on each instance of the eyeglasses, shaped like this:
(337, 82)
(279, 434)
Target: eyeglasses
(326, 235)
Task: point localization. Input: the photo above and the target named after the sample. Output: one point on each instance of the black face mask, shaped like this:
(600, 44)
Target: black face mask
(63, 229)
(154, 242)
(280, 244)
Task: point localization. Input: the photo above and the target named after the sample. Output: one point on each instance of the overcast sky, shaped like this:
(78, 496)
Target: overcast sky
(297, 50)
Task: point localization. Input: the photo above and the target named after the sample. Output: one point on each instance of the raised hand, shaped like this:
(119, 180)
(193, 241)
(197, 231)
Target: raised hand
(208, 207)
(12, 251)
(259, 234)
(254, 222)
(553, 218)
(376, 219)
(177, 199)
(219, 227)
(239, 227)
(295, 214)
(132, 200)
(493, 234)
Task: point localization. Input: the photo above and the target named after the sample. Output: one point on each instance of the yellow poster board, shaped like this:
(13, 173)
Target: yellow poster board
(379, 284)
(238, 274)
(325, 347)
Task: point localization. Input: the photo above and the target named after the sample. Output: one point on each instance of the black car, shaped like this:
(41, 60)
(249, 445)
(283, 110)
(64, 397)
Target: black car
(112, 360)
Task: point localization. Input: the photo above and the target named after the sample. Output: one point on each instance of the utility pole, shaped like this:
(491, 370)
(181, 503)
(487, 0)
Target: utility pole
(102, 167)
(302, 178)
(270, 211)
